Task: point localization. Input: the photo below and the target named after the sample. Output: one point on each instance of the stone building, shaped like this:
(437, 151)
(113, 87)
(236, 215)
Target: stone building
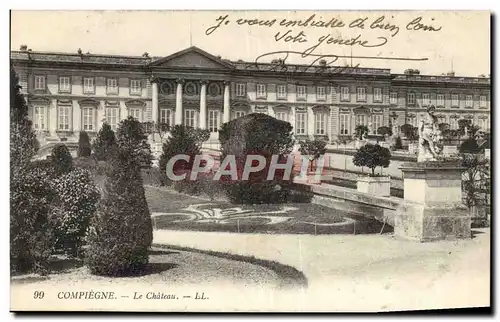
(70, 92)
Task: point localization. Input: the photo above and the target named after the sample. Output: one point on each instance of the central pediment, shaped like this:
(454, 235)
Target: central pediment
(192, 57)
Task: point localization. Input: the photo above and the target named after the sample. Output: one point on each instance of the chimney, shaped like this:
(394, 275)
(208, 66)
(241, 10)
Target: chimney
(451, 74)
(79, 51)
(23, 48)
(145, 55)
(322, 62)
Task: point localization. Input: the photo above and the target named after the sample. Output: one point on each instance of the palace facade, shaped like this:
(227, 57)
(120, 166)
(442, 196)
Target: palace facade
(68, 93)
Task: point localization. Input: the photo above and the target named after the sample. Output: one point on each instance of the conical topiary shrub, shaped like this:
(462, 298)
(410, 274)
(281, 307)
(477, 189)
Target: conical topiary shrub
(121, 232)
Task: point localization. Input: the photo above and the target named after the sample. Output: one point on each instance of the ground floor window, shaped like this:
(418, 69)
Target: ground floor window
(64, 118)
(453, 123)
(376, 122)
(237, 114)
(483, 124)
(213, 120)
(112, 117)
(300, 123)
(282, 116)
(190, 118)
(88, 118)
(39, 118)
(135, 113)
(344, 122)
(361, 120)
(320, 123)
(166, 116)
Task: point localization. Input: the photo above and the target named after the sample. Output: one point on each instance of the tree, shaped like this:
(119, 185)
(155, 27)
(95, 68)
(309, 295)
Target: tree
(265, 136)
(384, 130)
(84, 148)
(476, 181)
(61, 159)
(183, 140)
(121, 232)
(313, 148)
(132, 139)
(398, 145)
(372, 156)
(360, 130)
(104, 142)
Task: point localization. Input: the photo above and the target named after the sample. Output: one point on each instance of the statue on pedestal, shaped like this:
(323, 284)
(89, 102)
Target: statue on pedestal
(430, 138)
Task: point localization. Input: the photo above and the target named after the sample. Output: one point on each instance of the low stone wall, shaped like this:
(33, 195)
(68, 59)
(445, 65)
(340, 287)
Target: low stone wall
(380, 208)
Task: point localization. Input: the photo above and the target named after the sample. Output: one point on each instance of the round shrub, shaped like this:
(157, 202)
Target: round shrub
(372, 156)
(78, 197)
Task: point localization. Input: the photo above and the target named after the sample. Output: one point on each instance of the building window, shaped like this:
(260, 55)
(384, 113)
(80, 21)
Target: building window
(344, 121)
(39, 118)
(411, 98)
(440, 100)
(282, 116)
(454, 100)
(377, 95)
(112, 116)
(320, 122)
(135, 113)
(63, 118)
(112, 86)
(453, 123)
(482, 101)
(135, 87)
(361, 119)
(88, 119)
(190, 118)
(301, 92)
(376, 122)
(426, 99)
(393, 98)
(361, 94)
(261, 91)
(64, 84)
(468, 100)
(483, 124)
(213, 120)
(237, 114)
(166, 116)
(241, 90)
(281, 92)
(344, 94)
(320, 93)
(300, 123)
(88, 85)
(39, 82)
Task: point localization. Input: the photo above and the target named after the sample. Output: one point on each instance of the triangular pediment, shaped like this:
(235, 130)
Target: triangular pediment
(192, 57)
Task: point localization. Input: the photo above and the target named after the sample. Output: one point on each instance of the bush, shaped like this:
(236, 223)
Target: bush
(384, 130)
(32, 238)
(132, 139)
(372, 156)
(256, 134)
(121, 232)
(84, 148)
(182, 140)
(410, 132)
(104, 143)
(77, 203)
(61, 159)
(398, 145)
(360, 130)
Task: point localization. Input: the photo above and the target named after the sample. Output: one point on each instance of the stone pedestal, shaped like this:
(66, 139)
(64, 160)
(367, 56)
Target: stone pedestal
(377, 186)
(432, 207)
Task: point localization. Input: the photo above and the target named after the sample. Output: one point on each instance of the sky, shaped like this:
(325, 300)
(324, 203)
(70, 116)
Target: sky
(460, 40)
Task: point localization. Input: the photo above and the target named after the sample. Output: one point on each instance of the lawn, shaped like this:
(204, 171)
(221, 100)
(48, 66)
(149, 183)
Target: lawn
(171, 210)
(167, 267)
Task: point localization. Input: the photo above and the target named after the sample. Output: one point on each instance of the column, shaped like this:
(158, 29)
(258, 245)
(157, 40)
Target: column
(311, 122)
(226, 115)
(203, 105)
(154, 108)
(292, 118)
(178, 102)
(101, 114)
